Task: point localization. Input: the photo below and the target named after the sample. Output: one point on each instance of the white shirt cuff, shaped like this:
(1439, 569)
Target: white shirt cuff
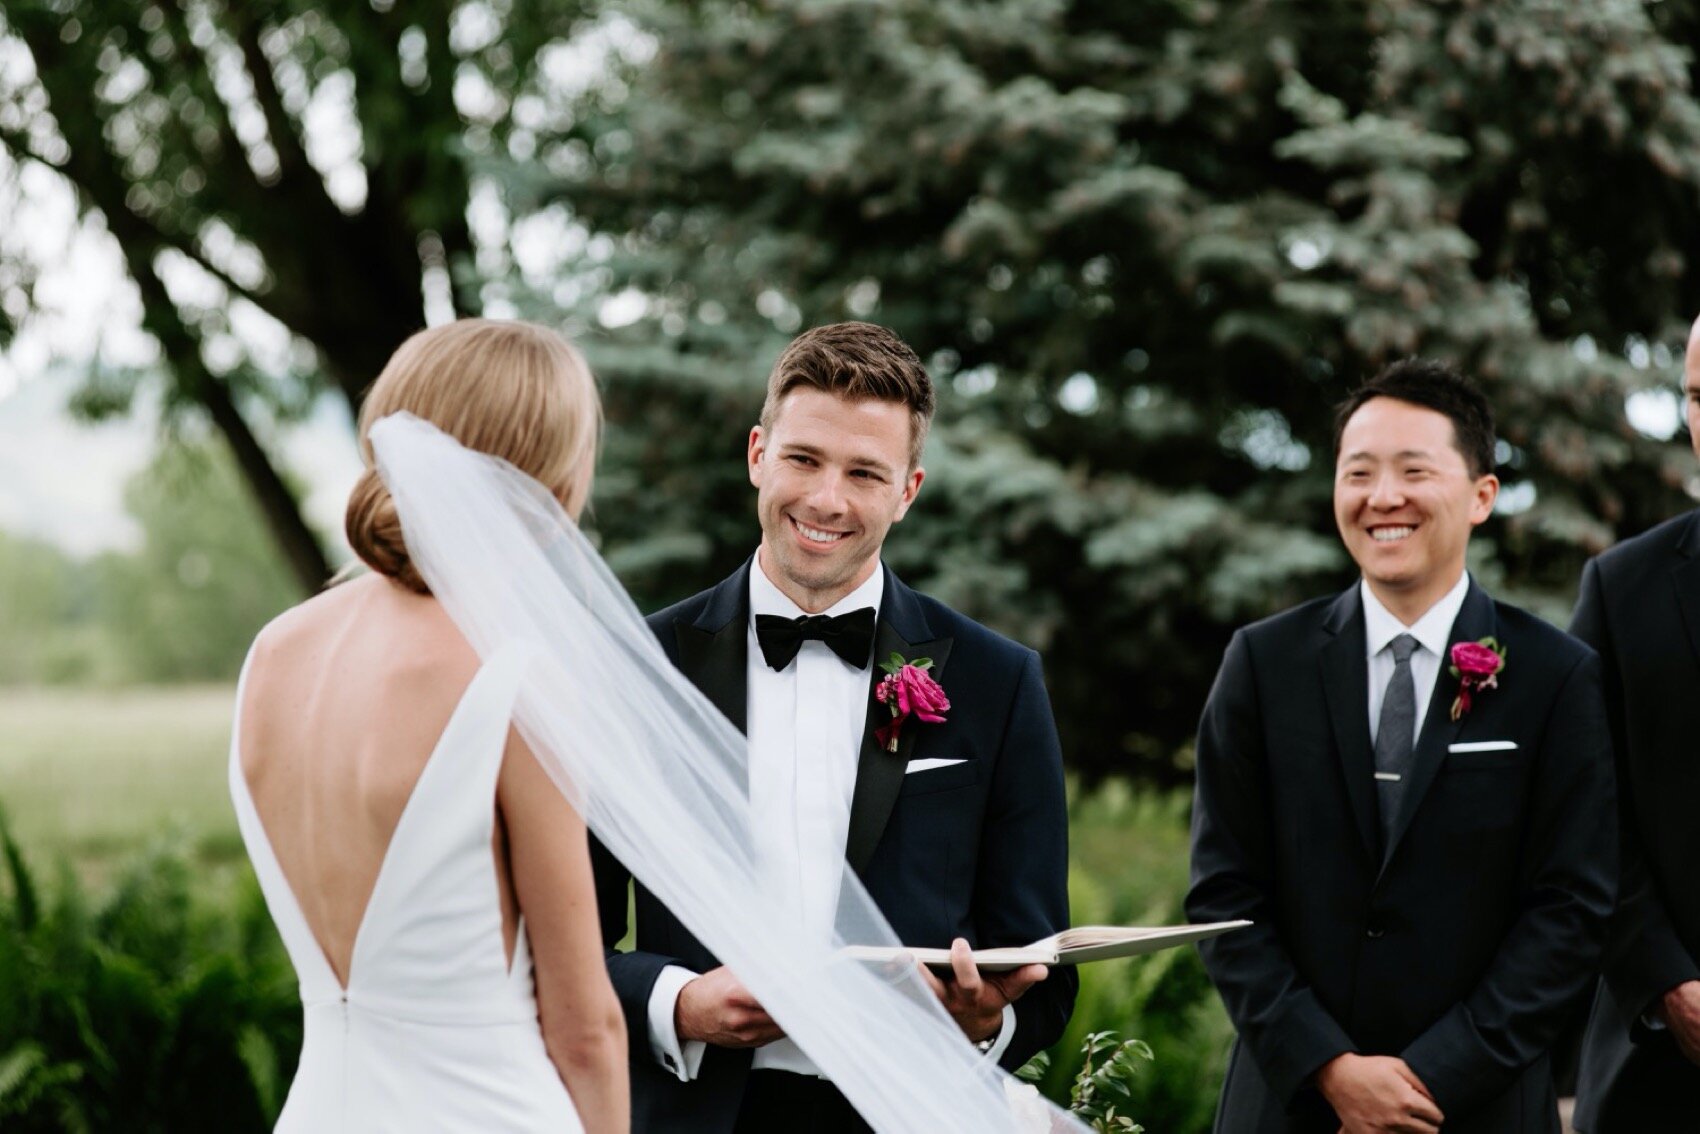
(684, 1060)
(1006, 1032)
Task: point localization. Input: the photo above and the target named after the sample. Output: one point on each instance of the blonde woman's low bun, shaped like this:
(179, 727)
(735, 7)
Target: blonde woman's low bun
(374, 532)
(513, 390)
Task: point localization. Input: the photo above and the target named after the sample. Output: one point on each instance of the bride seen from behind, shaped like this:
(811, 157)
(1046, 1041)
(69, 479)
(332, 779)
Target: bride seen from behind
(419, 862)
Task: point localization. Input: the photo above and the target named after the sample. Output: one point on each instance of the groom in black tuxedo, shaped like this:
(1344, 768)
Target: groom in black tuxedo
(1640, 608)
(1427, 848)
(959, 835)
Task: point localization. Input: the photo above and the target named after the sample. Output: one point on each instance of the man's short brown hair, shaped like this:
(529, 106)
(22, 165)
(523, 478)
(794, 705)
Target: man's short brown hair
(860, 362)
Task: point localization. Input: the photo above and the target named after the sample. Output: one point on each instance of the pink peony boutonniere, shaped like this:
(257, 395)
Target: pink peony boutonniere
(908, 691)
(1476, 665)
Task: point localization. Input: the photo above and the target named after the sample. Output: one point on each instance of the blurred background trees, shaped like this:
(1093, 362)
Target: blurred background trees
(289, 185)
(1144, 248)
(181, 606)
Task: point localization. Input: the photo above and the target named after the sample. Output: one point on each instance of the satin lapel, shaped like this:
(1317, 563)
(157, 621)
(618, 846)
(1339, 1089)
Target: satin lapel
(1475, 621)
(1686, 578)
(1345, 685)
(879, 774)
(714, 650)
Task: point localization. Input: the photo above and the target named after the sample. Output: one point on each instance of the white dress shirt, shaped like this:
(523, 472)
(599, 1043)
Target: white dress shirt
(1432, 632)
(805, 725)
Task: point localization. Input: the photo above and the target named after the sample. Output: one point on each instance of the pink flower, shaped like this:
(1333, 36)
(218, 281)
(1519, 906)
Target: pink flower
(1476, 660)
(909, 691)
(1476, 665)
(919, 694)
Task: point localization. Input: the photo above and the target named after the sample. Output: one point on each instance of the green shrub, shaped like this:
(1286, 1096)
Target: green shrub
(160, 1008)
(1129, 854)
(1102, 1094)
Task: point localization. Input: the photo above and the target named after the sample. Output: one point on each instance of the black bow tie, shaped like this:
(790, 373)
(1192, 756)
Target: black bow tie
(850, 636)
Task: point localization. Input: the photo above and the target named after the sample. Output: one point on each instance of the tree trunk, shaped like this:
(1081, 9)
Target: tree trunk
(288, 526)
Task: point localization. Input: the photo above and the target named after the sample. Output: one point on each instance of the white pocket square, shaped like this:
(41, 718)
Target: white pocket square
(928, 765)
(1484, 746)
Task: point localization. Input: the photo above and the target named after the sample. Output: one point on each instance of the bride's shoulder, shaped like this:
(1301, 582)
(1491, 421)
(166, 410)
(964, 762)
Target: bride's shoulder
(367, 621)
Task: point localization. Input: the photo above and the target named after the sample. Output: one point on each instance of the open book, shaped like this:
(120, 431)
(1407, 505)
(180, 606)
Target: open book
(1070, 947)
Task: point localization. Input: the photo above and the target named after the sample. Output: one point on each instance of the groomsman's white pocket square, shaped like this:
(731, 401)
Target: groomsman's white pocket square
(1484, 746)
(928, 765)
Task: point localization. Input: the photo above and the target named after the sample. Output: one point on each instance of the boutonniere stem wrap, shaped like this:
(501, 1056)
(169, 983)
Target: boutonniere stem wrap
(908, 690)
(1477, 666)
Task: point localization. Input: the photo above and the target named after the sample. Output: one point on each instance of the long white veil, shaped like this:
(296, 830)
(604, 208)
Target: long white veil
(656, 771)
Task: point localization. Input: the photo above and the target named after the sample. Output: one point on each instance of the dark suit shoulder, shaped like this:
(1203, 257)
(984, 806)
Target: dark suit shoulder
(1537, 641)
(1294, 622)
(1653, 549)
(685, 610)
(970, 636)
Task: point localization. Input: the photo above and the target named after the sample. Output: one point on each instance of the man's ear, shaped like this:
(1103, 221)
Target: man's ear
(1487, 491)
(753, 455)
(911, 487)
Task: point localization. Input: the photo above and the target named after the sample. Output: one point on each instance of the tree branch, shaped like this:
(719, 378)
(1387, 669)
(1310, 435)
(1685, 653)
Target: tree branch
(181, 345)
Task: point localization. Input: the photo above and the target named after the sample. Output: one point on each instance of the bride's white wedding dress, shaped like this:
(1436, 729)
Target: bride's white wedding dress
(436, 1030)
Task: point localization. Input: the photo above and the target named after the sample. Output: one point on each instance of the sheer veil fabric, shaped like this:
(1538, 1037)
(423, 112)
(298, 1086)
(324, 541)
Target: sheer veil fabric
(658, 775)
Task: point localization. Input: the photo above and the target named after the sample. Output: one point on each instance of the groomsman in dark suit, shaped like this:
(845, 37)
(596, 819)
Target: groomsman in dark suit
(1407, 788)
(956, 826)
(1640, 608)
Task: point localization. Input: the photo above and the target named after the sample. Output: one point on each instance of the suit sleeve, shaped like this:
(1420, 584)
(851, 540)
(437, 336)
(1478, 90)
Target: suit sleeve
(1551, 952)
(632, 973)
(1021, 892)
(1644, 956)
(1275, 1010)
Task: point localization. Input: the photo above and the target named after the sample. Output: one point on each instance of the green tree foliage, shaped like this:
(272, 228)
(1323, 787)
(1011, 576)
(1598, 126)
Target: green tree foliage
(1145, 248)
(277, 164)
(182, 606)
(187, 603)
(48, 613)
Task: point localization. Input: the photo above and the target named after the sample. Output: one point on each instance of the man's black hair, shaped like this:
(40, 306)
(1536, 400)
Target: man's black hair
(1437, 386)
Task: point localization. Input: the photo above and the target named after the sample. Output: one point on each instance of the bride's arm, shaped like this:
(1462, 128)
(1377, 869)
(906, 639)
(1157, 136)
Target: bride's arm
(583, 1026)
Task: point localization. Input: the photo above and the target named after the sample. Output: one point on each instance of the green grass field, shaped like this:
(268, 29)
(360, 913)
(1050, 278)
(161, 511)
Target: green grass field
(92, 775)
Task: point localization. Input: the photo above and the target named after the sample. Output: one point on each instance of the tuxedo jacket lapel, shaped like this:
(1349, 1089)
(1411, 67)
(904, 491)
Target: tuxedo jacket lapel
(879, 774)
(714, 654)
(1685, 576)
(1475, 621)
(1345, 684)
(714, 650)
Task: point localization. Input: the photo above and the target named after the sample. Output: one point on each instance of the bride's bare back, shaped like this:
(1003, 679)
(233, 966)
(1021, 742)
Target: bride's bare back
(344, 701)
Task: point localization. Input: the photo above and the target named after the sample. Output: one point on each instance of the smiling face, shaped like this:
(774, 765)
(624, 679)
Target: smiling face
(1405, 501)
(832, 475)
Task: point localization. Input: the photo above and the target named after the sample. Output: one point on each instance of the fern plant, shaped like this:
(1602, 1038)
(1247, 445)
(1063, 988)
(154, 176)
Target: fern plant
(157, 1008)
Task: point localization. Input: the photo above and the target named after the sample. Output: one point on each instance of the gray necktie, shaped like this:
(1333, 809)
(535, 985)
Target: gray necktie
(1394, 736)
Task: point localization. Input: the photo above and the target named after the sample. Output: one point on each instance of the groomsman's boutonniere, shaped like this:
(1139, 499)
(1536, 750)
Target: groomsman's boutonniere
(1476, 665)
(908, 691)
